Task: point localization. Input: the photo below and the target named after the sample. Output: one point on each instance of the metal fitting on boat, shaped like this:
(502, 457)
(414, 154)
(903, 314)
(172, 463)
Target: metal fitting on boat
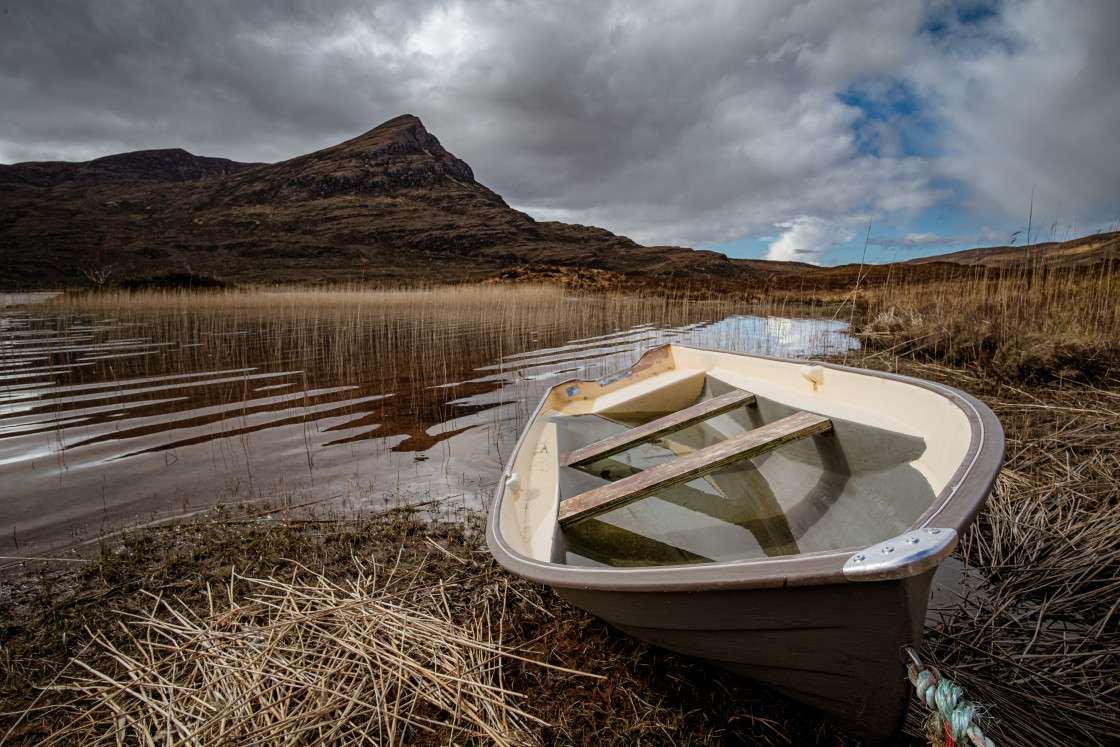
(905, 555)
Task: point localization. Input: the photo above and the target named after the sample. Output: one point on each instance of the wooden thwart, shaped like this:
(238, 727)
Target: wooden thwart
(657, 428)
(690, 466)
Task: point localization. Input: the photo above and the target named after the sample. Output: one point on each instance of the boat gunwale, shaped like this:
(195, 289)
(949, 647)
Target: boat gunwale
(977, 471)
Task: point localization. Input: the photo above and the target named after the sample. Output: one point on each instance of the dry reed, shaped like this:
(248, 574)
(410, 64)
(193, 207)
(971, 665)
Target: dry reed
(646, 695)
(1036, 636)
(1017, 325)
(306, 662)
(430, 334)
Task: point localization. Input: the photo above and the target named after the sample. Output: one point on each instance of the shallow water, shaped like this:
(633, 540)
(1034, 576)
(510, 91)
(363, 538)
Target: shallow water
(106, 425)
(25, 299)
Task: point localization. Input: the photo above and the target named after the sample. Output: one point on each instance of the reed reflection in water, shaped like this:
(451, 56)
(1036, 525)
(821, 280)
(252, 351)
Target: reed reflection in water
(118, 410)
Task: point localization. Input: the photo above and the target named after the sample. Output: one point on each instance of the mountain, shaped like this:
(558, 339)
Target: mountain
(1088, 250)
(391, 203)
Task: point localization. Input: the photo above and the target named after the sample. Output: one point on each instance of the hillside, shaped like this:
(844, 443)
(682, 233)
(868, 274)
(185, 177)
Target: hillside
(1087, 250)
(391, 203)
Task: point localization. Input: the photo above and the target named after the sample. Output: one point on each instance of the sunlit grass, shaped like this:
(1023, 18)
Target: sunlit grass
(1016, 325)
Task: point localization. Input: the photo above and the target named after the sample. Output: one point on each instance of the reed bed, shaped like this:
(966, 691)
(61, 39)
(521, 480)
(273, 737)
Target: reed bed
(1036, 634)
(429, 336)
(430, 568)
(406, 346)
(1017, 325)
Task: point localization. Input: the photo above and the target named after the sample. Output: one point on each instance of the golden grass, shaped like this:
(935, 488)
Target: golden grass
(1035, 637)
(1037, 640)
(429, 332)
(1016, 325)
(307, 661)
(439, 570)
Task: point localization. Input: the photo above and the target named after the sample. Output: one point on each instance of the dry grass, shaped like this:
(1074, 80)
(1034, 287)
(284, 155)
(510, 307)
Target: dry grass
(434, 333)
(312, 661)
(1036, 637)
(1019, 326)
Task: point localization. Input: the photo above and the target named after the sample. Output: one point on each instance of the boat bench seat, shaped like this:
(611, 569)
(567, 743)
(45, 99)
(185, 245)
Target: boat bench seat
(657, 428)
(688, 467)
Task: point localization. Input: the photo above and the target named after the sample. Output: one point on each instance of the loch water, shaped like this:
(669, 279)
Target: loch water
(107, 423)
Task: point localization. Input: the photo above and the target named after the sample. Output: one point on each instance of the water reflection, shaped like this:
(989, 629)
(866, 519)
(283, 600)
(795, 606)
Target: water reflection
(24, 299)
(105, 424)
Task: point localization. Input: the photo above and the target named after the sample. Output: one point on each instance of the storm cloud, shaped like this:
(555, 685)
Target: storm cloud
(791, 127)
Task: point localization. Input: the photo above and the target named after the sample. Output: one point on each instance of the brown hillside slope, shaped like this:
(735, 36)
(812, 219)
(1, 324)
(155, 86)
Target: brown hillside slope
(391, 203)
(1087, 250)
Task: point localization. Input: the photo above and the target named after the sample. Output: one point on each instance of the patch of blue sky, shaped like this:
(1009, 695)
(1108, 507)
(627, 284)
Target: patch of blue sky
(882, 99)
(946, 18)
(886, 243)
(748, 247)
(964, 25)
(938, 229)
(894, 120)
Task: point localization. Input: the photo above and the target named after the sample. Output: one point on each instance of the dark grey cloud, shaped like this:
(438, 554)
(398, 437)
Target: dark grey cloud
(252, 81)
(668, 121)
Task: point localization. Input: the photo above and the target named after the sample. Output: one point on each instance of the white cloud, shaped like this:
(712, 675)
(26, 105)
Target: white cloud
(808, 239)
(1033, 107)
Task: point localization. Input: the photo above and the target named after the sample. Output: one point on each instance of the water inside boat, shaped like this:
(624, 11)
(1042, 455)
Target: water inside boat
(853, 486)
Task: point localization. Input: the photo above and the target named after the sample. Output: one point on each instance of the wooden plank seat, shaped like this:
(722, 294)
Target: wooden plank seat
(657, 428)
(690, 466)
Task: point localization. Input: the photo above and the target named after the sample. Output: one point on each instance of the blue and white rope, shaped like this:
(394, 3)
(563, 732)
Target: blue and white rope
(944, 698)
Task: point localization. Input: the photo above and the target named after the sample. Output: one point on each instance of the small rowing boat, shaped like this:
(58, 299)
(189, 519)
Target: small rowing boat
(776, 518)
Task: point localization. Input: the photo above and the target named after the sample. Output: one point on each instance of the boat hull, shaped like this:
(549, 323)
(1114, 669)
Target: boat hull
(836, 648)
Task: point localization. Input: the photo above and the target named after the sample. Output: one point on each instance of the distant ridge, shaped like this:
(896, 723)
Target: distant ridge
(1087, 250)
(392, 203)
(172, 165)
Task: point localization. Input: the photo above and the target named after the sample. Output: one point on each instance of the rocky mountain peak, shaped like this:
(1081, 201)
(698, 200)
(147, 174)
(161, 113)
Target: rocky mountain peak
(390, 203)
(399, 154)
(404, 136)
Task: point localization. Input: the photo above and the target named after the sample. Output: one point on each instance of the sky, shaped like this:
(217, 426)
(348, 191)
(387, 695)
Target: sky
(823, 131)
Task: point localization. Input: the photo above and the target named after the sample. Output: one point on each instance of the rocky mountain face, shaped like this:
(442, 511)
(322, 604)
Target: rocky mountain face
(391, 203)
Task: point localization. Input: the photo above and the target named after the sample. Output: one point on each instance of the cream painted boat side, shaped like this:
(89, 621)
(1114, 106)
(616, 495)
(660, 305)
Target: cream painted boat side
(531, 500)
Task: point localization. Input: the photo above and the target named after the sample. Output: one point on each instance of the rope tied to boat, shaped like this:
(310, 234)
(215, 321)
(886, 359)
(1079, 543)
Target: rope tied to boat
(945, 698)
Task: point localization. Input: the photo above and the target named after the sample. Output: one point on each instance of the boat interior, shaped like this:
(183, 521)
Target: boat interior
(696, 457)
